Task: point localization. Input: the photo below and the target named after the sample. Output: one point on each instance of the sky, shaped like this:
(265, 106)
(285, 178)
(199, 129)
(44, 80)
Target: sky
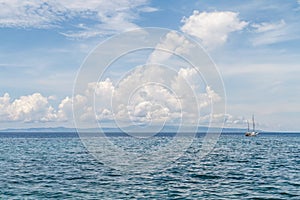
(254, 46)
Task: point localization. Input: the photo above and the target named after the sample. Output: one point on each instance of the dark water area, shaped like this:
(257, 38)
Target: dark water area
(58, 166)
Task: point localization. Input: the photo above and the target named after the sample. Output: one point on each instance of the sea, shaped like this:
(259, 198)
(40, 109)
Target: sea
(62, 166)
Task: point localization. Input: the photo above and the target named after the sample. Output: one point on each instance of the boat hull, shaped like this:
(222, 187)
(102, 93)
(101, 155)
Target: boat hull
(251, 134)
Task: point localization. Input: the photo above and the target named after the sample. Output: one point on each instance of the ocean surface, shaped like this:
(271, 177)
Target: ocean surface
(59, 166)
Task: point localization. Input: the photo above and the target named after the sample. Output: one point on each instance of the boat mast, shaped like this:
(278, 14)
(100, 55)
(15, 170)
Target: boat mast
(253, 123)
(248, 125)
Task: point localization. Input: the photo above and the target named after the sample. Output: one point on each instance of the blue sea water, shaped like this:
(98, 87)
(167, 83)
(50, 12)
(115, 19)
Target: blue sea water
(58, 166)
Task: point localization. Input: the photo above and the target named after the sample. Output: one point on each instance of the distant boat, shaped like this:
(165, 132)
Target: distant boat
(253, 132)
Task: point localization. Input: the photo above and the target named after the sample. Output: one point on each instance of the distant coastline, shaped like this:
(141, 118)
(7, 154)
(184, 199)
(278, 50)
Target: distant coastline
(167, 129)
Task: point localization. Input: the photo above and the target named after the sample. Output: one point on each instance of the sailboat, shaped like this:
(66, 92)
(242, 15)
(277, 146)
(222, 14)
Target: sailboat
(253, 132)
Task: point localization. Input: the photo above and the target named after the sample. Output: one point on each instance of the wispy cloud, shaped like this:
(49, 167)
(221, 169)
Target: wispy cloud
(37, 14)
(264, 27)
(273, 32)
(86, 18)
(259, 69)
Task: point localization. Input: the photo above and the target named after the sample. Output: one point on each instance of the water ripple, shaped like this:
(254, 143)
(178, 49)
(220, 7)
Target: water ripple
(238, 168)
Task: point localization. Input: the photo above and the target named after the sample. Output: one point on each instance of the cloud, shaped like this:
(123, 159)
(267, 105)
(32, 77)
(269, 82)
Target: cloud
(78, 102)
(37, 108)
(133, 100)
(264, 27)
(142, 97)
(105, 17)
(172, 43)
(212, 28)
(31, 108)
(152, 93)
(97, 94)
(270, 33)
(26, 14)
(145, 97)
(153, 104)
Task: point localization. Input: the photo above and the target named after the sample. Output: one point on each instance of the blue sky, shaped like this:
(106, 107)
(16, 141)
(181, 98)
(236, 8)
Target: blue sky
(255, 45)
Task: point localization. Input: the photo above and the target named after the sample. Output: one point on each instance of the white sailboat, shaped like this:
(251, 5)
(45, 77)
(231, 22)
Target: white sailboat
(253, 132)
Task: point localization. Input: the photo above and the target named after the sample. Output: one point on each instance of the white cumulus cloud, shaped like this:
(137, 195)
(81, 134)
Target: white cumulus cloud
(212, 28)
(31, 108)
(134, 100)
(148, 95)
(93, 104)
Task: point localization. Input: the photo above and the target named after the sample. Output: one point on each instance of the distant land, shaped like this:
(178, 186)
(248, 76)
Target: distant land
(46, 129)
(115, 130)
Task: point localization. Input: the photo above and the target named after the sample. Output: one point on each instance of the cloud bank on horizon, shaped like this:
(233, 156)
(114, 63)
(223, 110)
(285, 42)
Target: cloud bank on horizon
(254, 45)
(37, 108)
